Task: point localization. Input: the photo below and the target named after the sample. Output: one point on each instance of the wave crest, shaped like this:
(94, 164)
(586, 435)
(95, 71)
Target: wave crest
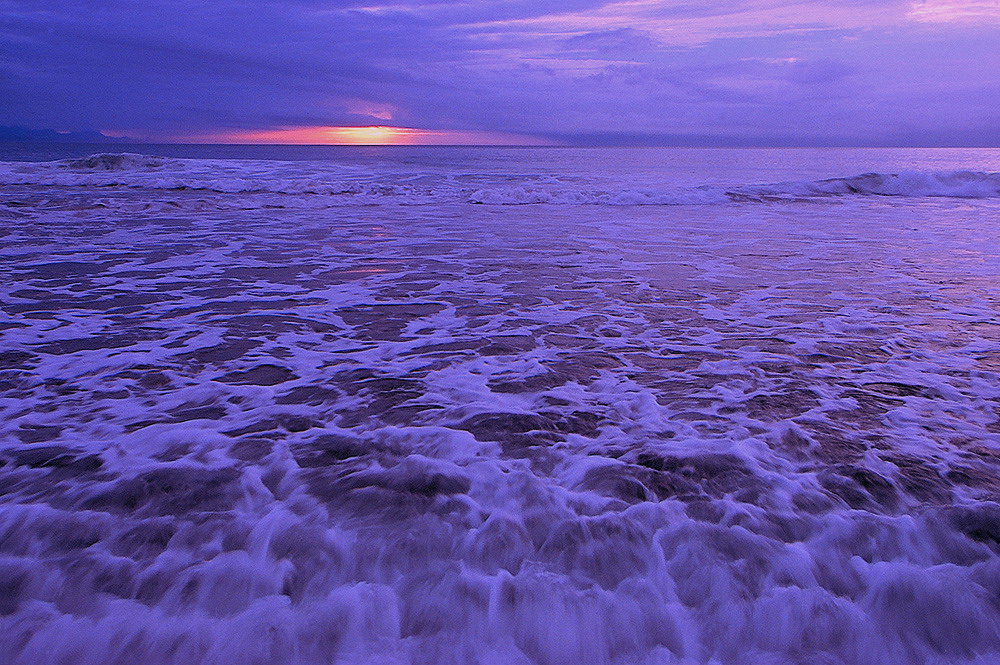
(351, 184)
(954, 184)
(115, 161)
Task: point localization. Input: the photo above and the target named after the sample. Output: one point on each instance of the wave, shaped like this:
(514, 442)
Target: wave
(953, 184)
(110, 161)
(365, 184)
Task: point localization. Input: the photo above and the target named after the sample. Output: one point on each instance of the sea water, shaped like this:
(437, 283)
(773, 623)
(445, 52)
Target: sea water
(291, 405)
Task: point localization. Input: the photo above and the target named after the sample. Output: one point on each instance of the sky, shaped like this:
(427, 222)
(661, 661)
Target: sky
(574, 72)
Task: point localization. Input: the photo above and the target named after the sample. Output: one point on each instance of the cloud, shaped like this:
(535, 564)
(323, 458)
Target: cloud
(973, 11)
(615, 43)
(747, 69)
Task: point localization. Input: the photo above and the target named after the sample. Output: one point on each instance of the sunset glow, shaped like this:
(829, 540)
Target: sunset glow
(369, 135)
(505, 72)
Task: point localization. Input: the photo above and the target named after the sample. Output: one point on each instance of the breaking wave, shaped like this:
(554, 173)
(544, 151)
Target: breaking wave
(956, 184)
(122, 161)
(363, 184)
(747, 435)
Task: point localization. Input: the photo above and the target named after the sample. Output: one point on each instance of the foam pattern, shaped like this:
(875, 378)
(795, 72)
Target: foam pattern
(476, 434)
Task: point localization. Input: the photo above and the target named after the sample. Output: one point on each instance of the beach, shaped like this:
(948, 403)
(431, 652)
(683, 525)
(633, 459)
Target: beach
(484, 405)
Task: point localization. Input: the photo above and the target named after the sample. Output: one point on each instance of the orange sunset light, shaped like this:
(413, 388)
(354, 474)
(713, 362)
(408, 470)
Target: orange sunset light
(371, 135)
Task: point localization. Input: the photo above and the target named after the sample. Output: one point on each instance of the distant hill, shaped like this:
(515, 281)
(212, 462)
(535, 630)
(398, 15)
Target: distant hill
(14, 133)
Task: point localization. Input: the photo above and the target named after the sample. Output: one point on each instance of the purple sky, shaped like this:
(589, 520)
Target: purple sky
(864, 72)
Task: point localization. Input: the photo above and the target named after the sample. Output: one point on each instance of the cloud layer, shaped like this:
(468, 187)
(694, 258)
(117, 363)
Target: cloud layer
(645, 71)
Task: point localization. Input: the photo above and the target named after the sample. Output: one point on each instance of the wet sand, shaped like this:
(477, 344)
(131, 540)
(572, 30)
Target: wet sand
(237, 433)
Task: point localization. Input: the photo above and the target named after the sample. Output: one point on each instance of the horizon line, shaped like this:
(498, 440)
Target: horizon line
(571, 146)
(124, 142)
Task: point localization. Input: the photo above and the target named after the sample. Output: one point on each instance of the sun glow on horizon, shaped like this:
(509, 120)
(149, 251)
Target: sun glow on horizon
(369, 135)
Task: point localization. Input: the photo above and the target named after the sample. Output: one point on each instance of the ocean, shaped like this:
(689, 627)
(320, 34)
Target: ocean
(298, 405)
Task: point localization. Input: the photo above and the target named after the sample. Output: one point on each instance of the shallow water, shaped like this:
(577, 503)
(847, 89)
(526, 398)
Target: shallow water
(380, 432)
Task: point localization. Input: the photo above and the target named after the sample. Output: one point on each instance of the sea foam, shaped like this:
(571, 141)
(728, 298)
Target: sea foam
(335, 181)
(234, 430)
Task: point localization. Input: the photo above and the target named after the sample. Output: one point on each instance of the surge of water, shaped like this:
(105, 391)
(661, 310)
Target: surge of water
(474, 434)
(345, 184)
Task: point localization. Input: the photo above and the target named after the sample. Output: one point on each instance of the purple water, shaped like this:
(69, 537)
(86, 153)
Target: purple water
(701, 407)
